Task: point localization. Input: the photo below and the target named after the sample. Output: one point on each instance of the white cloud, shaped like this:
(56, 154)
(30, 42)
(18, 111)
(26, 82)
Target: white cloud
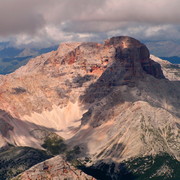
(47, 22)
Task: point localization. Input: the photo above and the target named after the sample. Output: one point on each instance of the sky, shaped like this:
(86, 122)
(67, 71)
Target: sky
(47, 22)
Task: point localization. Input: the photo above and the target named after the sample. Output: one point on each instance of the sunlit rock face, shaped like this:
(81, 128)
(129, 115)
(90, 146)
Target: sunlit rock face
(110, 98)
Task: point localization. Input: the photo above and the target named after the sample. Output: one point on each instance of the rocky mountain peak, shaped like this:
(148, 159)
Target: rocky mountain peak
(128, 54)
(134, 57)
(123, 41)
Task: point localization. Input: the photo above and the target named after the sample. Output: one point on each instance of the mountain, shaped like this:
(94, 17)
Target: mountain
(173, 59)
(11, 58)
(164, 48)
(113, 101)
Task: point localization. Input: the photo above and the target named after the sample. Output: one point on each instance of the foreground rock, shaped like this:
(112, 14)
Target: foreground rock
(54, 168)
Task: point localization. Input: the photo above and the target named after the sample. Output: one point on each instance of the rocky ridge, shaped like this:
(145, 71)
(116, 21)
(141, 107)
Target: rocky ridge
(54, 168)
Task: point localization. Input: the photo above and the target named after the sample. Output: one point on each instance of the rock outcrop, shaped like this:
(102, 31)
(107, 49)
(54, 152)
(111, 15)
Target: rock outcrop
(54, 168)
(134, 57)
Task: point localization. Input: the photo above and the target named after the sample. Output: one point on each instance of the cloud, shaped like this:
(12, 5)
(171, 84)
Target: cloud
(19, 16)
(114, 14)
(45, 21)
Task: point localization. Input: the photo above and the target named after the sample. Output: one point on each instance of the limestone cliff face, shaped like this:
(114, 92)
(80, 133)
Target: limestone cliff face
(110, 98)
(134, 56)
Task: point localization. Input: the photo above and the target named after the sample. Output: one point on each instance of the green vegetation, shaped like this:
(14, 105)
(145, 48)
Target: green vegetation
(162, 166)
(54, 145)
(15, 160)
(159, 167)
(71, 155)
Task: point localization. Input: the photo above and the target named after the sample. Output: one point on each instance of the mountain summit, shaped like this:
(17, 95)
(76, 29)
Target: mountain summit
(112, 100)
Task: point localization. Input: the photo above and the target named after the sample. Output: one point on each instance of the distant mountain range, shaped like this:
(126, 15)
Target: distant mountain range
(173, 59)
(11, 58)
(164, 48)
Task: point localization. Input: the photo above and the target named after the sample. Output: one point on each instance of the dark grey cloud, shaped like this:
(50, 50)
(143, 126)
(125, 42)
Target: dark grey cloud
(19, 16)
(114, 14)
(39, 21)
